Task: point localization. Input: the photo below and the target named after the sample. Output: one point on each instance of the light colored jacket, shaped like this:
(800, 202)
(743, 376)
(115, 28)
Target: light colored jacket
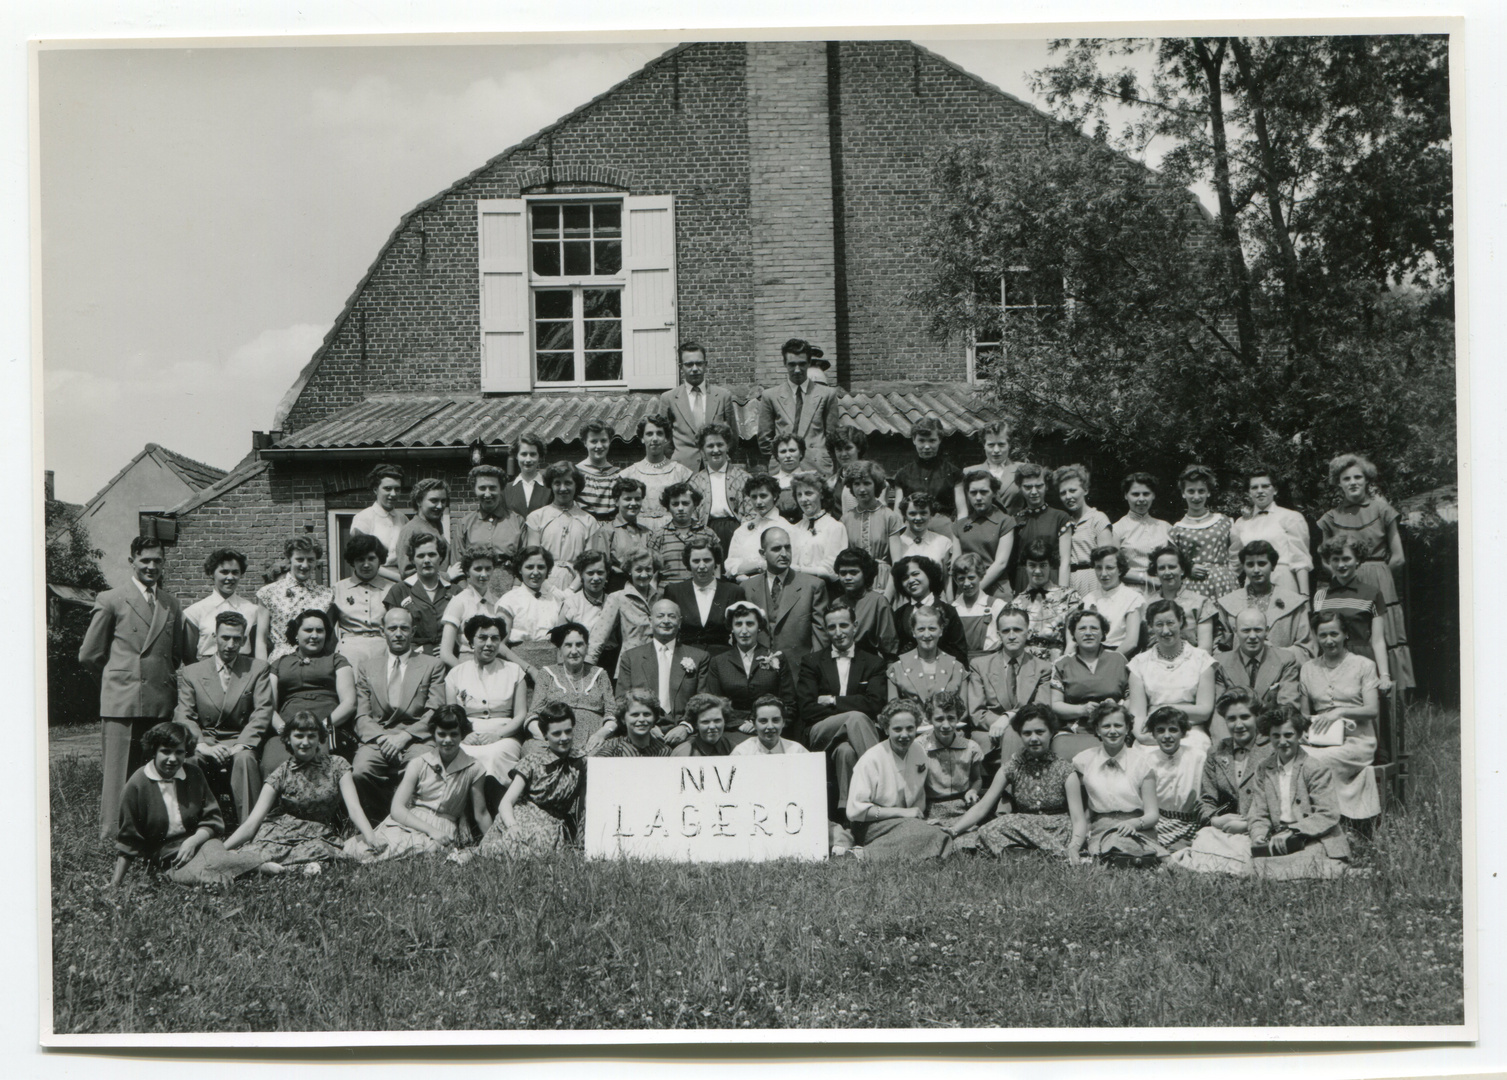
(135, 651)
(1314, 801)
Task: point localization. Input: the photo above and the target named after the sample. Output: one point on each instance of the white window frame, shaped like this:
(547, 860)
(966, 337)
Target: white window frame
(1005, 305)
(576, 284)
(334, 559)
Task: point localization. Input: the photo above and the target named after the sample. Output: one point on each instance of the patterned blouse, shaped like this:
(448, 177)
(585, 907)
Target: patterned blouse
(1049, 608)
(655, 479)
(310, 791)
(1037, 785)
(285, 598)
(622, 746)
(908, 678)
(669, 543)
(555, 784)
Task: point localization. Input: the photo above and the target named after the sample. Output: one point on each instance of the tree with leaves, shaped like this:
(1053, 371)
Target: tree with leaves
(72, 692)
(1313, 314)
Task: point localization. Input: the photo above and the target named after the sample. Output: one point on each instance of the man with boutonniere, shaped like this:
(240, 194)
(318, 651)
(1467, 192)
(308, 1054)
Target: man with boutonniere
(675, 673)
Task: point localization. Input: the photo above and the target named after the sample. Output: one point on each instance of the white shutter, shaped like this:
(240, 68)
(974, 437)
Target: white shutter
(502, 256)
(649, 332)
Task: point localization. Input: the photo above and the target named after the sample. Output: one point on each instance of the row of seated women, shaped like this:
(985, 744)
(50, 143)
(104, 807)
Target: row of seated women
(1260, 804)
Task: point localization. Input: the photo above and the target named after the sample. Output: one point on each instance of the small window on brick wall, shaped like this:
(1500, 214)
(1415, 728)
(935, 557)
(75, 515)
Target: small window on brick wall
(1018, 293)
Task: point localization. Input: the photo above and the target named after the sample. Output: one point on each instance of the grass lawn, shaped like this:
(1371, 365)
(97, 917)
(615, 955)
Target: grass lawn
(965, 942)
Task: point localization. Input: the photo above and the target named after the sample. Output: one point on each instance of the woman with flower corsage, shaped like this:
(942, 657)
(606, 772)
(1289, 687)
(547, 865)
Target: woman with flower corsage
(749, 670)
(1286, 612)
(542, 810)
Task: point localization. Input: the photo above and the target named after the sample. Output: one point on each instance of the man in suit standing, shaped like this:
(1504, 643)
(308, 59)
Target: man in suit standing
(1270, 673)
(134, 643)
(674, 672)
(794, 603)
(1001, 682)
(839, 687)
(799, 406)
(226, 703)
(396, 693)
(694, 404)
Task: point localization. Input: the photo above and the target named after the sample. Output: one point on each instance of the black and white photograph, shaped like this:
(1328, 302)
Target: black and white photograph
(858, 536)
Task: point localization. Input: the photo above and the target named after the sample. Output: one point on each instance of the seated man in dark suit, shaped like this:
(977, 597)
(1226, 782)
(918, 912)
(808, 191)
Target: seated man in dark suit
(703, 600)
(1268, 672)
(1001, 682)
(793, 602)
(675, 673)
(395, 695)
(226, 703)
(840, 693)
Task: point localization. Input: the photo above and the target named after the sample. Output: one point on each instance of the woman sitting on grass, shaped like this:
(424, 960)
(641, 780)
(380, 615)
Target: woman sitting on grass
(887, 796)
(429, 809)
(1036, 791)
(1295, 813)
(169, 817)
(494, 695)
(638, 714)
(541, 812)
(308, 791)
(769, 724)
(1119, 792)
(955, 763)
(708, 714)
(1179, 772)
(1223, 845)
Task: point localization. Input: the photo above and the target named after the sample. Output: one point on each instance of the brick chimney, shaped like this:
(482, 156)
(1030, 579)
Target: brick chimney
(790, 200)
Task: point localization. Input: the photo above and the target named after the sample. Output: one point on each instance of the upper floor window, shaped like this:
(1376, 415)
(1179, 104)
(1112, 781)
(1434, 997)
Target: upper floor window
(1019, 292)
(576, 239)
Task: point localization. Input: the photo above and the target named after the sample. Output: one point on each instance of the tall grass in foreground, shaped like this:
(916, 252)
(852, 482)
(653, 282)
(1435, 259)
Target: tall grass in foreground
(569, 944)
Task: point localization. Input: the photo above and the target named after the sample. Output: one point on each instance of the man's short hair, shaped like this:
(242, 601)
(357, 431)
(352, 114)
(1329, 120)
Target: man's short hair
(486, 470)
(692, 346)
(142, 543)
(230, 618)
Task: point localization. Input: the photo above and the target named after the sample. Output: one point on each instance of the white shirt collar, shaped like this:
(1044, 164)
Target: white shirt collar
(665, 647)
(710, 588)
(145, 590)
(156, 777)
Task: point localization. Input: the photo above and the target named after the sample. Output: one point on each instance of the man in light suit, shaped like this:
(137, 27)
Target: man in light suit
(1268, 672)
(799, 406)
(1001, 682)
(395, 695)
(134, 643)
(795, 603)
(694, 404)
(672, 671)
(226, 702)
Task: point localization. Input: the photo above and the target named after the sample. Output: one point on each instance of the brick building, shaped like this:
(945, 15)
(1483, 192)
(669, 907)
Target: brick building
(735, 193)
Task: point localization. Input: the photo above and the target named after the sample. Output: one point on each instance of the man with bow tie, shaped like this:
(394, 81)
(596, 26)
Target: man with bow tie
(694, 404)
(134, 643)
(226, 704)
(396, 693)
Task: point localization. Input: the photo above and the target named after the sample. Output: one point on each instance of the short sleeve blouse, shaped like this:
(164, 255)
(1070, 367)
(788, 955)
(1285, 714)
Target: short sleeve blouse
(1037, 785)
(1173, 682)
(530, 617)
(1367, 526)
(310, 792)
(1080, 686)
(1343, 687)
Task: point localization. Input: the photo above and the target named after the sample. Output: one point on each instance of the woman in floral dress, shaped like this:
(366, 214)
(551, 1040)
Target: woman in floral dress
(1033, 785)
(307, 791)
(297, 590)
(572, 681)
(1204, 536)
(541, 812)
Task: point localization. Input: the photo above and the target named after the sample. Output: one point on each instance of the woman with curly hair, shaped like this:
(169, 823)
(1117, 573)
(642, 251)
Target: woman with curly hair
(316, 678)
(1204, 535)
(638, 717)
(1118, 785)
(532, 609)
(1035, 520)
(295, 591)
(543, 808)
(494, 694)
(918, 583)
(562, 528)
(570, 680)
(918, 537)
(658, 470)
(887, 796)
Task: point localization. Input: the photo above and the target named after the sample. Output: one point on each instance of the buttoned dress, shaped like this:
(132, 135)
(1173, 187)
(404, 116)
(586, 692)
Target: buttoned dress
(358, 615)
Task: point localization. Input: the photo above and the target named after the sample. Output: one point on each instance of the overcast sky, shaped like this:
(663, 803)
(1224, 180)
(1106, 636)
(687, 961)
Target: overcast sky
(207, 212)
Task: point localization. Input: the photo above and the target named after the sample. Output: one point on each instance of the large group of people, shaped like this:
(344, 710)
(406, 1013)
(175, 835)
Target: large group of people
(982, 670)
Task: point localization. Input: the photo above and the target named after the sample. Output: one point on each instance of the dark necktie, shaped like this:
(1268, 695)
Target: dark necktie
(1253, 665)
(796, 425)
(775, 590)
(1014, 676)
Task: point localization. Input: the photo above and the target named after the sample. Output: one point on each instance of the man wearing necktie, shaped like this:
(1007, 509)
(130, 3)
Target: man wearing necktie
(794, 602)
(1269, 672)
(694, 404)
(226, 704)
(134, 644)
(799, 407)
(396, 693)
(1000, 683)
(674, 672)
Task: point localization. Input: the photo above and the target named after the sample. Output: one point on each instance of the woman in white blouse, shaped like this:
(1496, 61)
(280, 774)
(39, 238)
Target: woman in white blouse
(533, 608)
(1091, 528)
(380, 519)
(1341, 694)
(495, 696)
(657, 471)
(1117, 793)
(1284, 529)
(917, 538)
(1119, 603)
(1172, 672)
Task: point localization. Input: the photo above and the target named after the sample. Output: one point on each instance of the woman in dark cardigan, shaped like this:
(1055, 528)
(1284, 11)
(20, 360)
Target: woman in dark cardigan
(748, 671)
(918, 583)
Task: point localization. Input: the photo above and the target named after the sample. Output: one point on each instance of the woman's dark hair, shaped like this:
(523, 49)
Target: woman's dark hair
(722, 431)
(946, 701)
(478, 622)
(859, 559)
(1029, 470)
(304, 720)
(1104, 552)
(1079, 615)
(300, 543)
(927, 425)
(1277, 715)
(529, 552)
(360, 545)
(762, 482)
(1262, 469)
(928, 567)
(1175, 551)
(1162, 605)
(627, 485)
(675, 491)
(1260, 547)
(1236, 695)
(973, 476)
(417, 540)
(902, 704)
(705, 702)
(480, 551)
(558, 635)
(555, 712)
(1168, 714)
(587, 559)
(562, 470)
(1036, 711)
(1135, 478)
(1107, 708)
(383, 472)
(223, 555)
(664, 423)
(290, 633)
(864, 470)
(920, 499)
(764, 701)
(448, 717)
(848, 435)
(790, 436)
(707, 542)
(528, 437)
(1328, 615)
(1039, 550)
(1198, 474)
(596, 427)
(424, 487)
(167, 734)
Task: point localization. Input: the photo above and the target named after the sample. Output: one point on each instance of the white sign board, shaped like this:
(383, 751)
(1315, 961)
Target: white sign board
(707, 809)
